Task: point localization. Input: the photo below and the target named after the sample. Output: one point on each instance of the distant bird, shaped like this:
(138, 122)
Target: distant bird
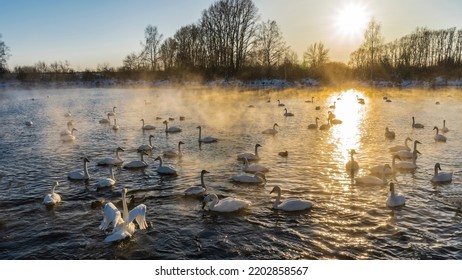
(123, 223)
(332, 106)
(444, 129)
(172, 153)
(288, 114)
(441, 177)
(416, 125)
(208, 139)
(172, 129)
(80, 174)
(147, 126)
(314, 125)
(106, 120)
(147, 147)
(352, 165)
(291, 204)
(393, 199)
(317, 108)
(198, 190)
(325, 126)
(389, 134)
(52, 198)
(113, 113)
(228, 204)
(29, 123)
(137, 164)
(280, 104)
(283, 154)
(250, 156)
(271, 130)
(69, 137)
(439, 137)
(115, 126)
(310, 101)
(68, 114)
(107, 182)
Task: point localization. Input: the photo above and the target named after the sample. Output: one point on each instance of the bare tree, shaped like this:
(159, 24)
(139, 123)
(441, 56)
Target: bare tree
(4, 55)
(269, 46)
(316, 55)
(168, 53)
(373, 42)
(151, 46)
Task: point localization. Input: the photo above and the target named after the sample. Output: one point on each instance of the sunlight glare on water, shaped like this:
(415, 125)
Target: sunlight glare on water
(347, 221)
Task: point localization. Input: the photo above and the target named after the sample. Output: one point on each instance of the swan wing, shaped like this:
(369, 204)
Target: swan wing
(111, 215)
(231, 204)
(139, 214)
(295, 205)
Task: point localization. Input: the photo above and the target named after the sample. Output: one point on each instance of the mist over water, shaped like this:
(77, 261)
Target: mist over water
(347, 222)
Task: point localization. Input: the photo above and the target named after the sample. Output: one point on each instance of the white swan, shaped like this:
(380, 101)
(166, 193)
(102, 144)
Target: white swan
(29, 123)
(310, 101)
(444, 129)
(372, 180)
(208, 139)
(439, 137)
(228, 204)
(290, 204)
(271, 130)
(147, 126)
(408, 165)
(113, 113)
(136, 164)
(280, 104)
(325, 126)
(332, 106)
(385, 168)
(112, 161)
(67, 131)
(171, 129)
(314, 125)
(52, 198)
(115, 126)
(352, 165)
(250, 156)
(164, 169)
(258, 178)
(69, 137)
(106, 120)
(441, 177)
(198, 190)
(416, 125)
(332, 118)
(401, 147)
(404, 154)
(288, 114)
(253, 168)
(107, 182)
(80, 174)
(68, 114)
(393, 199)
(146, 147)
(172, 153)
(389, 134)
(123, 224)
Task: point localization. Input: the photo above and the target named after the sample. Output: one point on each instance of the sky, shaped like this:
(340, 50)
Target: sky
(88, 33)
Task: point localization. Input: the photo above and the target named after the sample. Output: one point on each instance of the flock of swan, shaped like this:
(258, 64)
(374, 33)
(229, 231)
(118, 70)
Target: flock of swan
(123, 224)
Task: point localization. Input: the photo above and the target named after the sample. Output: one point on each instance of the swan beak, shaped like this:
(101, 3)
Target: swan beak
(418, 152)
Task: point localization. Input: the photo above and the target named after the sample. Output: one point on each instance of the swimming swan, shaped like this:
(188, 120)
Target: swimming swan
(416, 125)
(389, 134)
(250, 156)
(314, 125)
(106, 121)
(257, 178)
(444, 129)
(372, 180)
(288, 114)
(164, 169)
(112, 161)
(208, 139)
(290, 204)
(123, 224)
(439, 137)
(401, 147)
(172, 129)
(271, 130)
(80, 174)
(280, 104)
(198, 190)
(107, 182)
(147, 126)
(253, 168)
(69, 137)
(352, 165)
(228, 204)
(135, 164)
(172, 153)
(441, 177)
(385, 168)
(146, 147)
(115, 126)
(405, 153)
(52, 198)
(393, 199)
(113, 113)
(67, 131)
(408, 165)
(325, 126)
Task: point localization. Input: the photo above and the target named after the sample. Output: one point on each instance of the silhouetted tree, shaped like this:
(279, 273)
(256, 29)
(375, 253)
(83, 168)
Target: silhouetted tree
(316, 55)
(151, 46)
(270, 46)
(4, 55)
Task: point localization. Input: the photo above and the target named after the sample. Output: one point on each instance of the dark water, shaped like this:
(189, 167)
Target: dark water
(347, 221)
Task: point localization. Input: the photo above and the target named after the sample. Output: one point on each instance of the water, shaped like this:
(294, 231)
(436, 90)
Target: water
(347, 221)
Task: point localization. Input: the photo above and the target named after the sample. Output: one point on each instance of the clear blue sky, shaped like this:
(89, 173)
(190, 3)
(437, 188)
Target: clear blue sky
(91, 32)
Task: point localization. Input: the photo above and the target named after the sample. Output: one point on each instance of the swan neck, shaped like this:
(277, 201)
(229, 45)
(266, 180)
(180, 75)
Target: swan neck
(160, 162)
(256, 151)
(436, 170)
(200, 132)
(202, 180)
(150, 141)
(111, 172)
(124, 205)
(85, 168)
(278, 198)
(213, 203)
(179, 149)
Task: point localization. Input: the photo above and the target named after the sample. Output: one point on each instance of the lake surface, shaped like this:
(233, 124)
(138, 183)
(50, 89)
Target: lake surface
(348, 221)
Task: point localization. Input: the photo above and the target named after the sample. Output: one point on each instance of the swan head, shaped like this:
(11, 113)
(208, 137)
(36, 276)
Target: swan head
(198, 127)
(151, 136)
(396, 157)
(204, 172)
(275, 189)
(142, 120)
(119, 149)
(437, 166)
(353, 152)
(85, 159)
(436, 129)
(165, 122)
(74, 129)
(408, 139)
(258, 145)
(180, 143)
(417, 142)
(386, 165)
(317, 118)
(158, 158)
(392, 187)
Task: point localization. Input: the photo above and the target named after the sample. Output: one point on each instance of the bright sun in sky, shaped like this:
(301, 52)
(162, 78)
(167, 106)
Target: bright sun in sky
(351, 20)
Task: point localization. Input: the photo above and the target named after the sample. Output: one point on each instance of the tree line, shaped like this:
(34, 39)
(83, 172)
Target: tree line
(230, 41)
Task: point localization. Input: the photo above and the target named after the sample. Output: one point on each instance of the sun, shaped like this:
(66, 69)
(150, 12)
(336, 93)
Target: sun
(351, 19)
